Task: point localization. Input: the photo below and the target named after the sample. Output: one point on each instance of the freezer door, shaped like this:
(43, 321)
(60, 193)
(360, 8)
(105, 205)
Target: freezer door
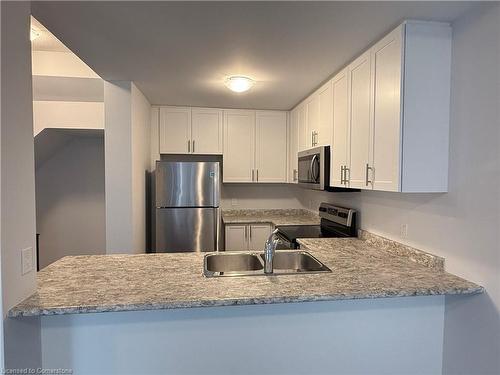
(186, 229)
(187, 184)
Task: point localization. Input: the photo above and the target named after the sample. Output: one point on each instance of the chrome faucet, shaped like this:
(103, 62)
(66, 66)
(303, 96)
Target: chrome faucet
(269, 250)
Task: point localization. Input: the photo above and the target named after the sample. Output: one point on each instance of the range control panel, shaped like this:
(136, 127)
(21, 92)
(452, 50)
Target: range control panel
(340, 215)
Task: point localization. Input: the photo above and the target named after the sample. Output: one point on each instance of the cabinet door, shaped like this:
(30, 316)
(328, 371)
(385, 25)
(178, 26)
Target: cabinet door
(304, 138)
(386, 58)
(239, 146)
(257, 236)
(340, 139)
(293, 146)
(325, 122)
(236, 238)
(312, 106)
(270, 151)
(206, 131)
(175, 130)
(360, 91)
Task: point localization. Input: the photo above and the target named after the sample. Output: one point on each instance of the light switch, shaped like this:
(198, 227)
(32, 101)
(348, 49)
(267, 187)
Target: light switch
(234, 202)
(27, 260)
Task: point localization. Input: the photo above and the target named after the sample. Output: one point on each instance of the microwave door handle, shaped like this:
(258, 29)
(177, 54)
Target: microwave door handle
(311, 168)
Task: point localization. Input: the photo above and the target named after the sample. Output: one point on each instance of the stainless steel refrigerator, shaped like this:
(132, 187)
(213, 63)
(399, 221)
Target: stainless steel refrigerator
(187, 196)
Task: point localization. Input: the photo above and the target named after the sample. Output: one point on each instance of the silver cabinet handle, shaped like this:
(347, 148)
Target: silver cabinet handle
(250, 230)
(367, 181)
(253, 170)
(257, 181)
(342, 169)
(246, 235)
(189, 146)
(346, 170)
(193, 145)
(295, 175)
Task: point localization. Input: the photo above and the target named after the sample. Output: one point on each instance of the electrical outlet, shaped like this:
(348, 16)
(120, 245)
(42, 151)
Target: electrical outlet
(27, 260)
(234, 202)
(404, 230)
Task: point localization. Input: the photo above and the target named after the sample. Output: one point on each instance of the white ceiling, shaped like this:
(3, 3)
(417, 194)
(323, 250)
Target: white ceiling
(45, 40)
(178, 53)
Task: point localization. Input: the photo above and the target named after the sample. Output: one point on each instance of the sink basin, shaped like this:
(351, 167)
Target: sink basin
(252, 264)
(296, 261)
(231, 264)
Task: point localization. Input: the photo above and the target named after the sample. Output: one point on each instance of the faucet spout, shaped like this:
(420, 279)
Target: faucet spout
(269, 251)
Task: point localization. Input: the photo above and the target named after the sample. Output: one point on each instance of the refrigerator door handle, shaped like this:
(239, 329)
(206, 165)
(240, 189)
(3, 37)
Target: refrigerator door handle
(218, 226)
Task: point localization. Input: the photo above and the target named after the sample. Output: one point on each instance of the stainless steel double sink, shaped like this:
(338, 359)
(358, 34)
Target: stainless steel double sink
(239, 263)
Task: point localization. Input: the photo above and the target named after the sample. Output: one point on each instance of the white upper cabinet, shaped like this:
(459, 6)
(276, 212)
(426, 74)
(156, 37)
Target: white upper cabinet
(304, 137)
(271, 147)
(319, 117)
(206, 131)
(312, 120)
(185, 130)
(293, 142)
(255, 146)
(325, 120)
(175, 130)
(340, 147)
(359, 73)
(385, 156)
(395, 137)
(239, 146)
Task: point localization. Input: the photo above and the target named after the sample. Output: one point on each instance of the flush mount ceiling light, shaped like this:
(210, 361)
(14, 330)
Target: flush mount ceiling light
(239, 83)
(34, 33)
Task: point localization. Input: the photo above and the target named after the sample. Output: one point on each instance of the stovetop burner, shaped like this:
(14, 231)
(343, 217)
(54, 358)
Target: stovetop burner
(335, 222)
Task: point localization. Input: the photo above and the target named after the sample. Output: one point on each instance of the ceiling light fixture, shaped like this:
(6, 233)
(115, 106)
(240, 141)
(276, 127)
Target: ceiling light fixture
(239, 83)
(34, 33)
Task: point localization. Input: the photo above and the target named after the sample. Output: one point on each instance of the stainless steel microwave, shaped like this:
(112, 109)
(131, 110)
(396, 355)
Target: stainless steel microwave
(314, 168)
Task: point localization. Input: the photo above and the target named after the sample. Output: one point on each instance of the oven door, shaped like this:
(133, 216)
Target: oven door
(313, 166)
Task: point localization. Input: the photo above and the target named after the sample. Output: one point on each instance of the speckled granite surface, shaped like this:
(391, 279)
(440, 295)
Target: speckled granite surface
(396, 248)
(101, 283)
(273, 216)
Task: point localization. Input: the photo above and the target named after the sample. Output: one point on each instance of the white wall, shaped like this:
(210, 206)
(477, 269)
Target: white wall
(378, 336)
(67, 115)
(17, 183)
(141, 129)
(241, 196)
(70, 201)
(118, 167)
(463, 224)
(60, 64)
(127, 158)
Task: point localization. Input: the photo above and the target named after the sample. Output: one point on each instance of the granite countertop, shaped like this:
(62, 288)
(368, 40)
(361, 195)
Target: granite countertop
(101, 283)
(273, 216)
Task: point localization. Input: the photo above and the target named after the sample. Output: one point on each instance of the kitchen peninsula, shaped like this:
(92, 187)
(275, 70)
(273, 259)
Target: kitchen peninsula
(349, 310)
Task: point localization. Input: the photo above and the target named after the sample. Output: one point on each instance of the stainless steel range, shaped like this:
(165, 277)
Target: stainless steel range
(335, 222)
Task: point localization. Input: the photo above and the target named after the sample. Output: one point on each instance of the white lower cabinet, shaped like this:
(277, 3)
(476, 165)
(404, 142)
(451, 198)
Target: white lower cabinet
(236, 238)
(247, 237)
(257, 236)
